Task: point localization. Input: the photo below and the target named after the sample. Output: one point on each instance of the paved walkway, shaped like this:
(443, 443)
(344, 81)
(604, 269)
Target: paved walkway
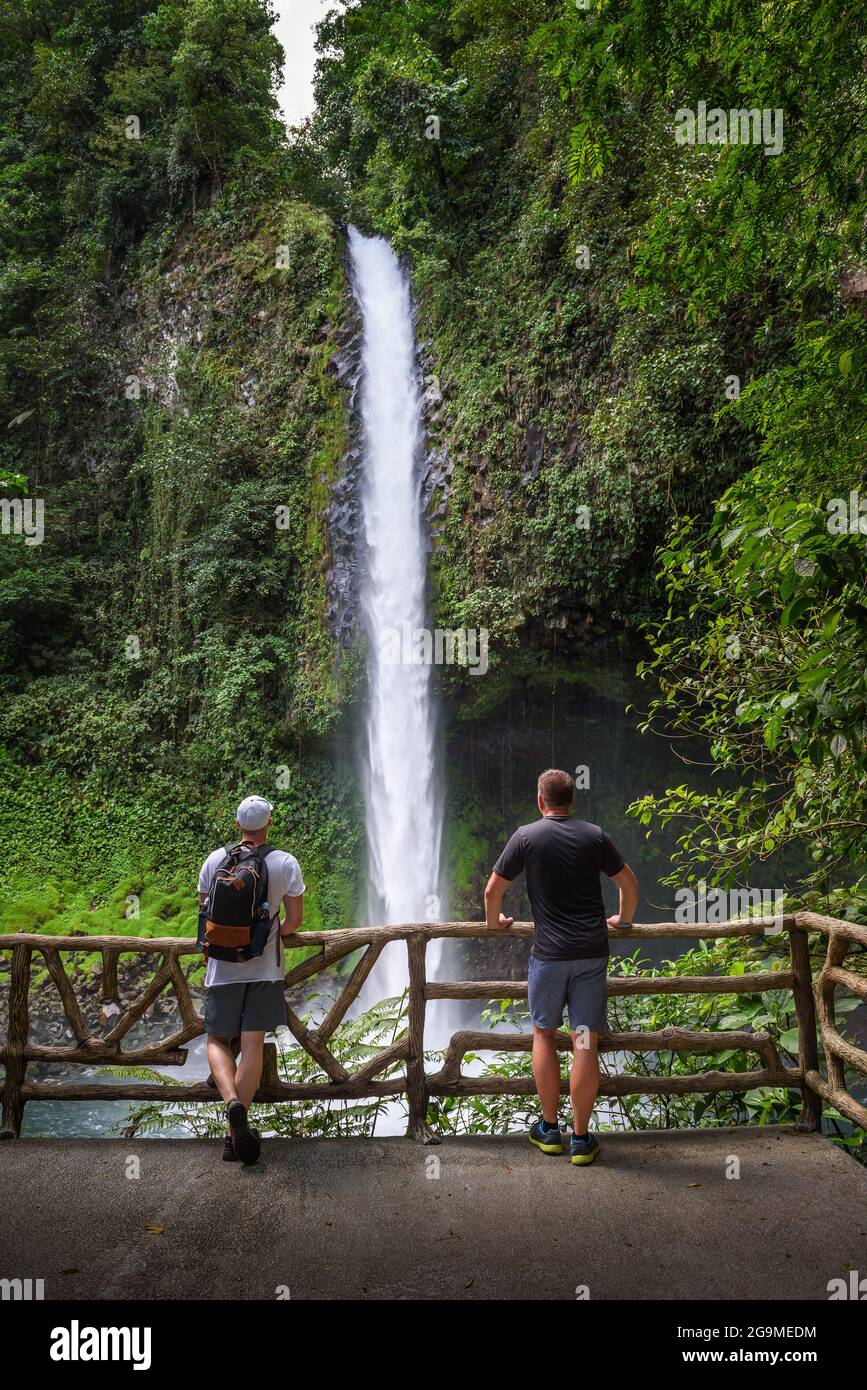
(654, 1218)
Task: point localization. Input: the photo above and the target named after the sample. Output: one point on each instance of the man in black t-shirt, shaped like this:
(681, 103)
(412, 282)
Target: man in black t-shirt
(562, 858)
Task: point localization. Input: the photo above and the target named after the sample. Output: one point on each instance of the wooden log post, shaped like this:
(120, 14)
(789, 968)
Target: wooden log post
(313, 1045)
(808, 1046)
(416, 1081)
(109, 974)
(270, 1075)
(350, 992)
(823, 994)
(623, 984)
(19, 1028)
(66, 990)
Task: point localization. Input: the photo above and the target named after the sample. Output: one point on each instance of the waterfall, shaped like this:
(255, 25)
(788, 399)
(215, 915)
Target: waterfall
(401, 785)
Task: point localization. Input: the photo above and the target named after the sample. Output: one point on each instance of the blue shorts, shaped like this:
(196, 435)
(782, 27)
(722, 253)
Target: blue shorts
(552, 984)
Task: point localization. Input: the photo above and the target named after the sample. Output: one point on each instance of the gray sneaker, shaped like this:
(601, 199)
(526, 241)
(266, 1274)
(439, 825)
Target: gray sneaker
(582, 1150)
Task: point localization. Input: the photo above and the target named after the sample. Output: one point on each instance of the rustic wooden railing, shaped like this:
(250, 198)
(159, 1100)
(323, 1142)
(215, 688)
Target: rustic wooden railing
(814, 1004)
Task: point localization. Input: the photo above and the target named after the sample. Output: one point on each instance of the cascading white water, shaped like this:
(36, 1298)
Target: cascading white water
(401, 786)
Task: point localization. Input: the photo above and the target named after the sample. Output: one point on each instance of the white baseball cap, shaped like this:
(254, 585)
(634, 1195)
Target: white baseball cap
(254, 813)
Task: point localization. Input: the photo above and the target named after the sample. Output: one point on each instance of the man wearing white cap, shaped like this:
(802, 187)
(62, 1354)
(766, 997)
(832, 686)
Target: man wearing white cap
(244, 999)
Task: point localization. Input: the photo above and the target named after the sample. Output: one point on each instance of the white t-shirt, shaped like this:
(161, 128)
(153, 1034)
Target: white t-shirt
(284, 880)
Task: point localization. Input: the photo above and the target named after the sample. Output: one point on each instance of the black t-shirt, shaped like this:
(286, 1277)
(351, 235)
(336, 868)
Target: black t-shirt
(562, 858)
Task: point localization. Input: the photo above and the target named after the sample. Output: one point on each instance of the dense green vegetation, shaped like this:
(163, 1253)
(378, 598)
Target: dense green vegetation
(635, 337)
(167, 304)
(589, 291)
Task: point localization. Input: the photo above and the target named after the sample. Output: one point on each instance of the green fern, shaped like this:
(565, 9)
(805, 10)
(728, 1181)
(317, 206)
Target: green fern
(139, 1074)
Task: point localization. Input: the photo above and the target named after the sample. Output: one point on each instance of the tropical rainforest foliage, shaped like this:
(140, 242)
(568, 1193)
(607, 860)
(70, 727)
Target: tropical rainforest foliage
(641, 353)
(165, 303)
(696, 369)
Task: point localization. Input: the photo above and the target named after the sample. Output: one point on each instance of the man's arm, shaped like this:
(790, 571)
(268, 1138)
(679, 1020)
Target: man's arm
(494, 894)
(294, 909)
(628, 885)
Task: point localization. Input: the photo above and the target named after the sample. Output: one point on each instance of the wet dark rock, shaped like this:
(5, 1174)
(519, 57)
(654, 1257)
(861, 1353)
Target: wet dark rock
(573, 439)
(345, 361)
(534, 452)
(343, 510)
(343, 522)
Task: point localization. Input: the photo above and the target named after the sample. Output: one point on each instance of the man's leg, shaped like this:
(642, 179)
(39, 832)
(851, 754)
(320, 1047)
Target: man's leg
(584, 1077)
(224, 1016)
(546, 1071)
(249, 1072)
(237, 1084)
(222, 1063)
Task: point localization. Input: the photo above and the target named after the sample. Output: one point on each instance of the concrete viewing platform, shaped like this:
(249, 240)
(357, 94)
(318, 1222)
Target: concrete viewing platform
(655, 1217)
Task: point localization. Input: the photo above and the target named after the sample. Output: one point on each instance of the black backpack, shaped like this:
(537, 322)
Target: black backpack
(235, 918)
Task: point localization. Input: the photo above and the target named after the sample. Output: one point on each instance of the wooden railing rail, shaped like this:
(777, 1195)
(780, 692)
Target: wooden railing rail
(813, 999)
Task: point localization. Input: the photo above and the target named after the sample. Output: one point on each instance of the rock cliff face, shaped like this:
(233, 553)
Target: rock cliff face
(578, 621)
(343, 511)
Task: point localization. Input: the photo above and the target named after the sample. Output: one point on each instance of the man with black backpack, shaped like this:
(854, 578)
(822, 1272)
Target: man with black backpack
(241, 888)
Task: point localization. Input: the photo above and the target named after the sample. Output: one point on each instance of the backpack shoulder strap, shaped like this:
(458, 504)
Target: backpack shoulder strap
(264, 851)
(224, 849)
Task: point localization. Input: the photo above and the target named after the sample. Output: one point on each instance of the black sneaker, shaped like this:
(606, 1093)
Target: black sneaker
(229, 1155)
(258, 1138)
(550, 1141)
(245, 1141)
(582, 1150)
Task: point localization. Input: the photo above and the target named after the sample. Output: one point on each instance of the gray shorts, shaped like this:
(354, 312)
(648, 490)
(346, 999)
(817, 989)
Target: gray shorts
(257, 1006)
(579, 983)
